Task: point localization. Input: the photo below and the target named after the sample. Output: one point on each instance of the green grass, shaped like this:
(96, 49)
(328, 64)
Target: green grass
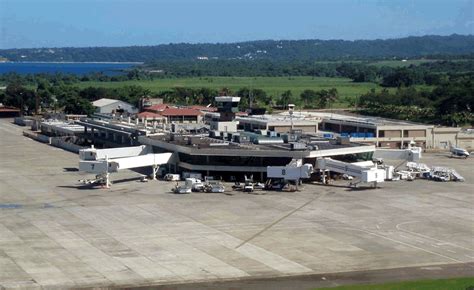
(274, 86)
(390, 63)
(400, 63)
(408, 62)
(443, 284)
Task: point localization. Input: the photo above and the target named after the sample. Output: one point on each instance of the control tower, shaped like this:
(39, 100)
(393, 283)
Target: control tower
(227, 106)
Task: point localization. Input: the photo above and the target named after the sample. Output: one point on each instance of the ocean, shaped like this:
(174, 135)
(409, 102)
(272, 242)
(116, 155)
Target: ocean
(77, 68)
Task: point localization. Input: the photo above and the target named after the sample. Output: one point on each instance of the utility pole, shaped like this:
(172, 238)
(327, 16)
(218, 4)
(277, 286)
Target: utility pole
(290, 112)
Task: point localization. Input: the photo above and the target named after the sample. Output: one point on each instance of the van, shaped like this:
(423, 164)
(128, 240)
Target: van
(171, 177)
(195, 175)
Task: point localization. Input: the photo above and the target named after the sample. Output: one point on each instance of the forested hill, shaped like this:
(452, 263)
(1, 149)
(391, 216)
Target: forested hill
(408, 47)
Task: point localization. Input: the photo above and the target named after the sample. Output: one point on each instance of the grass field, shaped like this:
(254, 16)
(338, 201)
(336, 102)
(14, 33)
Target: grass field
(400, 63)
(274, 86)
(443, 284)
(390, 63)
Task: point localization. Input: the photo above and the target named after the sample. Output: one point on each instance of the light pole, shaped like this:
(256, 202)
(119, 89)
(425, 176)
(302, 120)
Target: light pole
(22, 104)
(290, 112)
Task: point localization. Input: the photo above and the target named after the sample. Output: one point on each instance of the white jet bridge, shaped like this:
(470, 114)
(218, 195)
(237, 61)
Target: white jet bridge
(294, 171)
(102, 162)
(365, 171)
(412, 153)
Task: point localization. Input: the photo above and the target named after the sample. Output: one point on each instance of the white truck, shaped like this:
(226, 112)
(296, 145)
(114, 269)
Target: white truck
(187, 174)
(171, 177)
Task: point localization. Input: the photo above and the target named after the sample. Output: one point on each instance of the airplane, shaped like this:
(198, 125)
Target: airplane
(459, 152)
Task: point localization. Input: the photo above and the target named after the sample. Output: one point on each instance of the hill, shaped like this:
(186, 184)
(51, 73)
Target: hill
(287, 50)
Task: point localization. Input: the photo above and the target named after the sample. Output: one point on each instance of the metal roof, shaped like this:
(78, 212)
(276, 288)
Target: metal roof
(104, 102)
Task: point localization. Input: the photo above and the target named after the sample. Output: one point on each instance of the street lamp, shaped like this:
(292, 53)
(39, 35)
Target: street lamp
(290, 112)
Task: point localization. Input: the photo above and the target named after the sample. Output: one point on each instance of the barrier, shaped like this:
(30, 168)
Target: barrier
(54, 141)
(22, 121)
(37, 137)
(60, 143)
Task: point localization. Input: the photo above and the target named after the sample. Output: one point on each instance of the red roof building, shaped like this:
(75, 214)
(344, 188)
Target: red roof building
(150, 116)
(203, 108)
(182, 115)
(157, 108)
(9, 111)
(172, 114)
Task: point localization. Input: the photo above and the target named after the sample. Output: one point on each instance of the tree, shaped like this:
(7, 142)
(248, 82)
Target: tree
(326, 98)
(225, 92)
(403, 77)
(18, 96)
(309, 97)
(78, 105)
(285, 99)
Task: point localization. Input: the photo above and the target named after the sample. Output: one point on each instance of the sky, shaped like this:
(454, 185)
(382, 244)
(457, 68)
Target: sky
(79, 23)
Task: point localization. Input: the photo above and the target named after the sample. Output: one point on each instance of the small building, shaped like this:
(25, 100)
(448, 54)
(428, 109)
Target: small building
(224, 121)
(157, 108)
(172, 114)
(151, 116)
(111, 106)
(465, 139)
(382, 132)
(203, 108)
(60, 128)
(391, 133)
(6, 111)
(148, 102)
(277, 123)
(443, 137)
(182, 115)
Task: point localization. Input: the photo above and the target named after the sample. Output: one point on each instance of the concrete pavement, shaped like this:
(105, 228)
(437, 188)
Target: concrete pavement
(56, 234)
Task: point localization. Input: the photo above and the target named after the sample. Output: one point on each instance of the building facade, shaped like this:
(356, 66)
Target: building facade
(111, 106)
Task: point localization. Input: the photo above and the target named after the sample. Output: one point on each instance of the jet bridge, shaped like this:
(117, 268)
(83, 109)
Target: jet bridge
(410, 154)
(365, 171)
(97, 154)
(102, 162)
(295, 171)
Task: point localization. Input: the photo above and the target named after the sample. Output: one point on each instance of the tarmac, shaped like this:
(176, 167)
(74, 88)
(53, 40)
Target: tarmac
(55, 233)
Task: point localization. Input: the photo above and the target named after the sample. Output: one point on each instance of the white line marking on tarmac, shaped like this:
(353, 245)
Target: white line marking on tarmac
(406, 244)
(398, 226)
